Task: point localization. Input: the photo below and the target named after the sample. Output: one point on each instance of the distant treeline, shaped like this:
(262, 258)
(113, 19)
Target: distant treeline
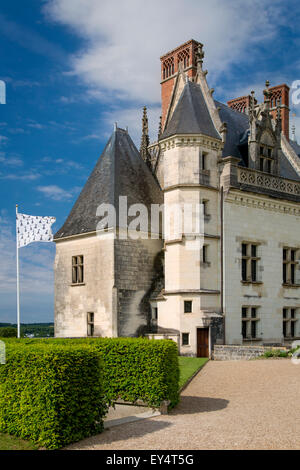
(37, 330)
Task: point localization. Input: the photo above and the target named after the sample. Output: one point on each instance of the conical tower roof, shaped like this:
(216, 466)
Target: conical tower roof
(120, 171)
(191, 115)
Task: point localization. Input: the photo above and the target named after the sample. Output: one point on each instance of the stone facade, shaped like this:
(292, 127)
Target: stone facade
(223, 286)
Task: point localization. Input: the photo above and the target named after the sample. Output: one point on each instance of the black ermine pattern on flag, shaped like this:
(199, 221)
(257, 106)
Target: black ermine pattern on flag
(32, 228)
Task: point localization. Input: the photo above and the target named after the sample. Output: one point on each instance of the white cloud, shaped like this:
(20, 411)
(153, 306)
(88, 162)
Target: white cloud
(56, 193)
(10, 161)
(3, 139)
(132, 118)
(124, 40)
(29, 176)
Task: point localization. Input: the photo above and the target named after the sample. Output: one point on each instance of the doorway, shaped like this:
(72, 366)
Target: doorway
(202, 342)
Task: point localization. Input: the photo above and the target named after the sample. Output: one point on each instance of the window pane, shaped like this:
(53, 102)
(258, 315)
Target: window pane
(261, 164)
(292, 273)
(244, 329)
(284, 328)
(293, 255)
(284, 253)
(244, 270)
(284, 273)
(293, 329)
(185, 339)
(74, 274)
(284, 313)
(187, 306)
(253, 312)
(244, 312)
(253, 251)
(253, 270)
(253, 329)
(244, 249)
(292, 313)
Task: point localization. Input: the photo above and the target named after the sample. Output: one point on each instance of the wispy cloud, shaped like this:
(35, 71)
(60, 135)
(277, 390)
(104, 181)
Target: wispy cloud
(120, 54)
(29, 39)
(12, 160)
(27, 176)
(56, 193)
(3, 139)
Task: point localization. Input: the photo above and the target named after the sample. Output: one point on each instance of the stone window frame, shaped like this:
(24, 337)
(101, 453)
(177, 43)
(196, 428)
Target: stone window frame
(289, 322)
(289, 266)
(90, 324)
(185, 334)
(247, 262)
(77, 269)
(250, 320)
(185, 302)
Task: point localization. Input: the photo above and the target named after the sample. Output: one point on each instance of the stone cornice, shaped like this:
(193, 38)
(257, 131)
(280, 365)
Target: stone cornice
(234, 196)
(191, 140)
(189, 186)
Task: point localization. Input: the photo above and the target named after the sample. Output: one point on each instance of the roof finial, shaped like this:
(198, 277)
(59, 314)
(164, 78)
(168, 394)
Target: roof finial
(115, 126)
(199, 56)
(294, 132)
(267, 95)
(145, 137)
(159, 128)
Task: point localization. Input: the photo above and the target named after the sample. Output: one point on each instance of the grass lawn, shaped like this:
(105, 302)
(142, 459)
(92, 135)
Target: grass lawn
(14, 443)
(188, 366)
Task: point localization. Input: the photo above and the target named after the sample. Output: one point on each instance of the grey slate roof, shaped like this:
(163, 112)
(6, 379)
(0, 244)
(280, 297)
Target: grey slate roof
(191, 115)
(295, 146)
(120, 171)
(286, 169)
(237, 127)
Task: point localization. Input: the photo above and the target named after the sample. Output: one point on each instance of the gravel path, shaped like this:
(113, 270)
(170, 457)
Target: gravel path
(229, 405)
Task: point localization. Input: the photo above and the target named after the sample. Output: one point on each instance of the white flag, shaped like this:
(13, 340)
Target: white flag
(31, 228)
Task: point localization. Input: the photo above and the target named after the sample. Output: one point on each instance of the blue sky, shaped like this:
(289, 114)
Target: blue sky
(74, 67)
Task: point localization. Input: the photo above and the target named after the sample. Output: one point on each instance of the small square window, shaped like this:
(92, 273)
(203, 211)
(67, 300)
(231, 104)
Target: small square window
(188, 305)
(185, 339)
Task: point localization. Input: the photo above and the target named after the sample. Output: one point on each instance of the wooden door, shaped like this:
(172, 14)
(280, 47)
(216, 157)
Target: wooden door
(203, 342)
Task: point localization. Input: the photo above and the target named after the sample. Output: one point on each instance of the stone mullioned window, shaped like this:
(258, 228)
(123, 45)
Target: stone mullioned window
(249, 323)
(289, 322)
(77, 269)
(250, 260)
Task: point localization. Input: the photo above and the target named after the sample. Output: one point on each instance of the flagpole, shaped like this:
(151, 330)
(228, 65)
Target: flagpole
(18, 280)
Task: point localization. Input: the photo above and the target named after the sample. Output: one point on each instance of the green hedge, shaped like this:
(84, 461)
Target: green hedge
(137, 368)
(51, 393)
(134, 368)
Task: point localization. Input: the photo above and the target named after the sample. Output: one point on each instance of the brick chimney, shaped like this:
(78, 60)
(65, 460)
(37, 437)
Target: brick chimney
(280, 97)
(184, 54)
(240, 104)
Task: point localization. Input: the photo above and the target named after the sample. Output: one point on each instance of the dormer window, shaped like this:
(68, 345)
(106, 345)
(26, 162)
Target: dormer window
(266, 159)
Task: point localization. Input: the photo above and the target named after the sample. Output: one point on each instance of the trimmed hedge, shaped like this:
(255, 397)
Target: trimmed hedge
(134, 368)
(140, 369)
(50, 393)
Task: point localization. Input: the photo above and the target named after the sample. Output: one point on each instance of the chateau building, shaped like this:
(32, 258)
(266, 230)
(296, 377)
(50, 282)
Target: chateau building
(242, 284)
